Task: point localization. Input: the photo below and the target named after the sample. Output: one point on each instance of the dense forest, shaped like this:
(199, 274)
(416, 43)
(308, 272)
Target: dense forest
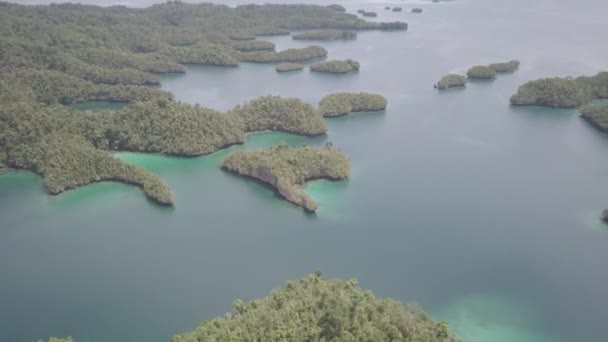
(61, 54)
(562, 92)
(336, 66)
(285, 67)
(597, 116)
(287, 169)
(326, 35)
(346, 103)
(450, 81)
(317, 310)
(481, 72)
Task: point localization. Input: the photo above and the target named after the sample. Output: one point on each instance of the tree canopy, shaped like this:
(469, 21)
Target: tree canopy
(336, 66)
(450, 81)
(345, 103)
(318, 310)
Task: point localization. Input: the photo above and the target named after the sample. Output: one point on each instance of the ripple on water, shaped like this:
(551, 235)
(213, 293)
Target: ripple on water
(495, 318)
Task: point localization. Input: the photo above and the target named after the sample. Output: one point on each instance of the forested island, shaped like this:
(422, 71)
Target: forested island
(481, 72)
(62, 54)
(285, 56)
(287, 169)
(318, 310)
(450, 81)
(345, 103)
(416, 10)
(507, 67)
(326, 35)
(336, 67)
(285, 67)
(562, 92)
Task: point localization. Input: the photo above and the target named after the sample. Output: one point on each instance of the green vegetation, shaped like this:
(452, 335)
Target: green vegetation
(481, 72)
(336, 67)
(253, 45)
(505, 67)
(562, 92)
(450, 81)
(346, 103)
(317, 310)
(597, 116)
(285, 67)
(287, 169)
(173, 128)
(289, 55)
(277, 114)
(61, 145)
(62, 54)
(326, 35)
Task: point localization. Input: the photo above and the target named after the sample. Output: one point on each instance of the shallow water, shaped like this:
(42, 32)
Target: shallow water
(486, 215)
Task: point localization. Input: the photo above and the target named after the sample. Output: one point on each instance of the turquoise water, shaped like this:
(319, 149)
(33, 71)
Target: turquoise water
(486, 215)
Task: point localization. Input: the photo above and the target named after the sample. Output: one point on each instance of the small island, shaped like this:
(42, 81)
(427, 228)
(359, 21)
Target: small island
(387, 8)
(597, 116)
(507, 67)
(605, 216)
(397, 9)
(481, 72)
(286, 67)
(451, 81)
(360, 11)
(326, 35)
(336, 67)
(416, 10)
(345, 103)
(370, 14)
(287, 169)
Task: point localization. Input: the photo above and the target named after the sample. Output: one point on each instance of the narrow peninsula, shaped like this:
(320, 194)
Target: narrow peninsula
(451, 81)
(336, 66)
(345, 103)
(287, 169)
(597, 116)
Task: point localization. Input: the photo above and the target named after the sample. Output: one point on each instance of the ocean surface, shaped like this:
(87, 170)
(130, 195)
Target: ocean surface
(485, 214)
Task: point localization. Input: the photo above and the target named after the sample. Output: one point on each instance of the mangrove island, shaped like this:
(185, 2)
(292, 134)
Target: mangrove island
(285, 67)
(450, 81)
(345, 103)
(287, 169)
(336, 67)
(597, 116)
(326, 35)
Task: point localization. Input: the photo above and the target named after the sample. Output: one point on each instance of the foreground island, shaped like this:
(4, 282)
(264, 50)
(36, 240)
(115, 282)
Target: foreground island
(314, 309)
(287, 169)
(345, 103)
